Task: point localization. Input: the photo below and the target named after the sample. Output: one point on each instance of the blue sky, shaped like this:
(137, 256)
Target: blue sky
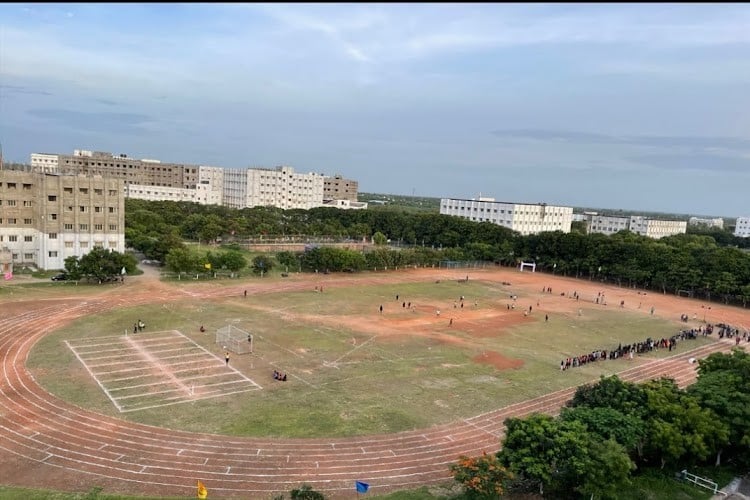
(633, 106)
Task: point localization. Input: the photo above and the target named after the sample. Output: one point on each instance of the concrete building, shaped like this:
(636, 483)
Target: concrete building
(238, 188)
(606, 224)
(522, 217)
(656, 228)
(645, 226)
(742, 227)
(338, 188)
(46, 218)
(345, 204)
(698, 221)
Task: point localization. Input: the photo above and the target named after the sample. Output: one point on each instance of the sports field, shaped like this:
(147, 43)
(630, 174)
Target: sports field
(391, 397)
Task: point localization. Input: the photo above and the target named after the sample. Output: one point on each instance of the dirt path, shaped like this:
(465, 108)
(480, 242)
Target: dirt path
(48, 443)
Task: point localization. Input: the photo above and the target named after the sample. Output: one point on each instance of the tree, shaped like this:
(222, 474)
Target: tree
(306, 493)
(262, 264)
(100, 264)
(379, 238)
(233, 260)
(482, 477)
(181, 260)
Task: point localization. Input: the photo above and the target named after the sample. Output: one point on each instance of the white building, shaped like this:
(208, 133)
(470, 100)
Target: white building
(606, 224)
(524, 218)
(44, 163)
(282, 187)
(346, 204)
(656, 228)
(160, 193)
(698, 221)
(742, 227)
(210, 187)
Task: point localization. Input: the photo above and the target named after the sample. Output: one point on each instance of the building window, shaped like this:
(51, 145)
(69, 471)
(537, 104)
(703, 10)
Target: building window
(15, 256)
(53, 216)
(98, 244)
(28, 256)
(52, 197)
(68, 244)
(27, 187)
(112, 192)
(68, 190)
(69, 208)
(97, 209)
(84, 244)
(113, 227)
(11, 220)
(27, 203)
(68, 226)
(53, 253)
(84, 227)
(12, 238)
(82, 208)
(11, 185)
(11, 203)
(112, 244)
(53, 236)
(27, 222)
(98, 192)
(98, 227)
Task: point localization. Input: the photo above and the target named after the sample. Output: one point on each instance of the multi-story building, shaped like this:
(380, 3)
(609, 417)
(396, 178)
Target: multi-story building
(279, 187)
(742, 227)
(645, 226)
(522, 217)
(699, 221)
(46, 218)
(606, 224)
(656, 228)
(338, 188)
(238, 188)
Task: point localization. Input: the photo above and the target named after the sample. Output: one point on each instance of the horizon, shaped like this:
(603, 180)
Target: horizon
(624, 105)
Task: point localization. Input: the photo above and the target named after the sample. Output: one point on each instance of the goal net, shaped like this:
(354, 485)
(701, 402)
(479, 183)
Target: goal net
(234, 339)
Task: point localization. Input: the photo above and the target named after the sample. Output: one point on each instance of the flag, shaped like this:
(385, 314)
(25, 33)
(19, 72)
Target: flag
(9, 275)
(361, 487)
(202, 491)
(207, 266)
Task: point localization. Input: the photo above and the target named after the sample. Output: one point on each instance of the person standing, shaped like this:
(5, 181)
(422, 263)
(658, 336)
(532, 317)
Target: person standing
(226, 357)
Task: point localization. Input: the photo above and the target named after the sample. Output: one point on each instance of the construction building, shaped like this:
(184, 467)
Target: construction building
(47, 217)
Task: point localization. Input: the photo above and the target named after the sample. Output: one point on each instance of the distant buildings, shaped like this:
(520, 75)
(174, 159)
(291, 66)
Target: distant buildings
(698, 221)
(47, 217)
(522, 217)
(154, 180)
(742, 227)
(346, 204)
(645, 226)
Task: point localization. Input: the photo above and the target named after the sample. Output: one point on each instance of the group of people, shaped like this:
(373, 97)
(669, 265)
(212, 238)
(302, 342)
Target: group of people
(278, 376)
(628, 350)
(138, 326)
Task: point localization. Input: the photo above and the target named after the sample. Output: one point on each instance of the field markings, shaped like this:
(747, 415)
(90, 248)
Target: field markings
(147, 359)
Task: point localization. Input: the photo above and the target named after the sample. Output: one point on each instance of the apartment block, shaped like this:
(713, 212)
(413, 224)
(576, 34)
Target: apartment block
(742, 227)
(699, 221)
(338, 188)
(606, 224)
(524, 218)
(45, 217)
(656, 228)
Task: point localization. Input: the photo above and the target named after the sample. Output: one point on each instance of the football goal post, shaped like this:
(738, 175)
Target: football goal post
(234, 339)
(532, 265)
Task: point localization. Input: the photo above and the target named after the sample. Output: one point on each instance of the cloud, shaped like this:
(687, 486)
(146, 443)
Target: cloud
(20, 89)
(700, 162)
(105, 122)
(731, 143)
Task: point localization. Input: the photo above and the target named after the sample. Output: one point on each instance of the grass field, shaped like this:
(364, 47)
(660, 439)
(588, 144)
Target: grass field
(353, 370)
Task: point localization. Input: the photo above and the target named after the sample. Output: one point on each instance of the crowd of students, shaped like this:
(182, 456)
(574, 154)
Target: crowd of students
(629, 350)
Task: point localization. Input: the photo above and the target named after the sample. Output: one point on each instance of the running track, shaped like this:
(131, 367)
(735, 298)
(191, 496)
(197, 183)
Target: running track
(48, 443)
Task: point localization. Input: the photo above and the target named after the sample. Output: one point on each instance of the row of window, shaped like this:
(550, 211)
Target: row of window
(98, 192)
(14, 185)
(13, 221)
(53, 253)
(502, 211)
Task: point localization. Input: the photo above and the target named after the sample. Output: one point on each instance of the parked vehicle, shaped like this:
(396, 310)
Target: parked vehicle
(60, 277)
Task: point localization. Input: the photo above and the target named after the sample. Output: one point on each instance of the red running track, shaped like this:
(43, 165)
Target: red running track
(49, 443)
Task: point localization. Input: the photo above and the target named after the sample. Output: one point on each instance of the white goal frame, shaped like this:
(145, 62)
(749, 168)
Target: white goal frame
(235, 339)
(532, 265)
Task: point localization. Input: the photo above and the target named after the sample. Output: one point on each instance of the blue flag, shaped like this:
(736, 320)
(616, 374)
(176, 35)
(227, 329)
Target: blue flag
(361, 487)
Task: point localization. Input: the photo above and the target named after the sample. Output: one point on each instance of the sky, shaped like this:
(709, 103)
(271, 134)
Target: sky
(618, 106)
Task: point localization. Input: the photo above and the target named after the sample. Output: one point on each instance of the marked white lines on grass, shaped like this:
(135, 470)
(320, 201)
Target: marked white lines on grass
(278, 346)
(94, 376)
(354, 349)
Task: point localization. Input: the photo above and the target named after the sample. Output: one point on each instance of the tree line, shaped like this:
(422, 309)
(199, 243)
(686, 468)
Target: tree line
(613, 428)
(705, 264)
